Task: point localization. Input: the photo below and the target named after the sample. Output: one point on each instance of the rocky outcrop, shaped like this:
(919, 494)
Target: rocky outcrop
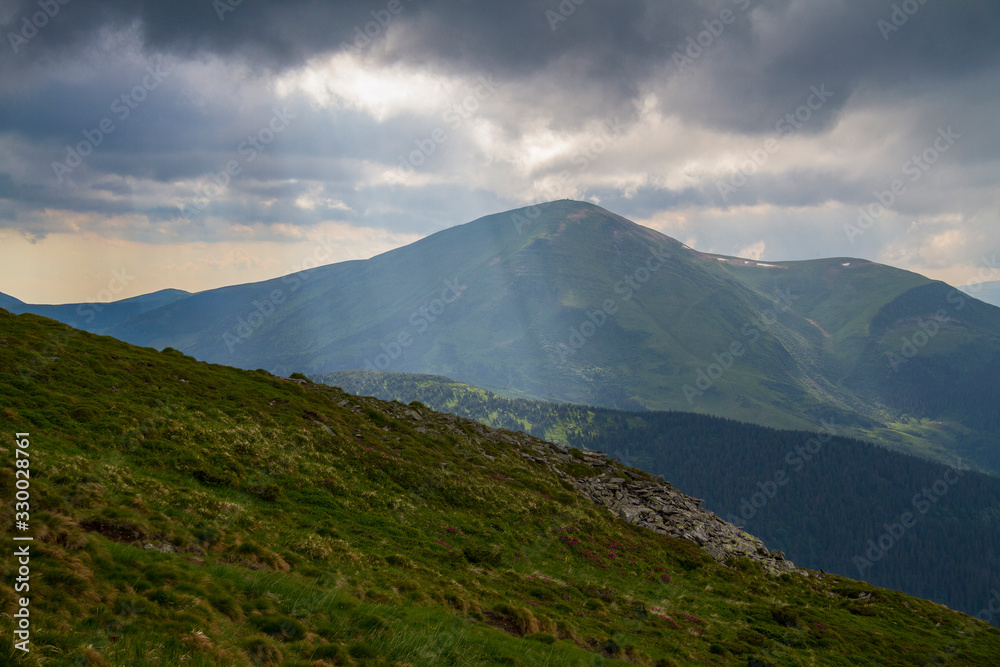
(654, 504)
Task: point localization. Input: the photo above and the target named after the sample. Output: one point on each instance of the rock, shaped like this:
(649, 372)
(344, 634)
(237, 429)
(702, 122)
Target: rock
(663, 509)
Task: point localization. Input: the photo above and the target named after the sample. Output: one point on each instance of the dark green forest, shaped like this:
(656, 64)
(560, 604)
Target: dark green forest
(829, 502)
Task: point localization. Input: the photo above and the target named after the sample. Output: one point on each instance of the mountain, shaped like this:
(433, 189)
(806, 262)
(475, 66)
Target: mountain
(9, 302)
(187, 513)
(566, 301)
(986, 291)
(97, 317)
(832, 496)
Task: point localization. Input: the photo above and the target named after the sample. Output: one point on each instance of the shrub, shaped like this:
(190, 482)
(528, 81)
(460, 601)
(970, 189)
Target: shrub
(210, 475)
(514, 620)
(225, 604)
(373, 624)
(266, 492)
(331, 653)
(377, 418)
(279, 627)
(262, 652)
(116, 524)
(784, 617)
(483, 555)
(397, 560)
(361, 651)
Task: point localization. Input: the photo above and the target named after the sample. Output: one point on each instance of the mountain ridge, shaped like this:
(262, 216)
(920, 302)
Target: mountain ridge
(988, 291)
(566, 301)
(97, 316)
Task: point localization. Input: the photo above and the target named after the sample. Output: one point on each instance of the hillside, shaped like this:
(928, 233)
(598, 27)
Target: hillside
(185, 513)
(830, 503)
(567, 301)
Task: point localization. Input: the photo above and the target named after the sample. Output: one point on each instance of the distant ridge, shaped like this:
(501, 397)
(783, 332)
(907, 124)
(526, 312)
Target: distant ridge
(987, 291)
(9, 302)
(96, 316)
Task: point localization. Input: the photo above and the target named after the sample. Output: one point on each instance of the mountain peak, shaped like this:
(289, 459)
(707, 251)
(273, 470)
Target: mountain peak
(573, 221)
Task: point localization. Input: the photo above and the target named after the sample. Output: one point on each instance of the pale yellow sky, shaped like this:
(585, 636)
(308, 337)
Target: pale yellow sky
(73, 268)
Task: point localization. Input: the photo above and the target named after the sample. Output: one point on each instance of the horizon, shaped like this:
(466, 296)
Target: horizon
(199, 145)
(120, 280)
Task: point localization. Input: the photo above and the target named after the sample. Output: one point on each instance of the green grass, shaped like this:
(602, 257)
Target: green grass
(186, 513)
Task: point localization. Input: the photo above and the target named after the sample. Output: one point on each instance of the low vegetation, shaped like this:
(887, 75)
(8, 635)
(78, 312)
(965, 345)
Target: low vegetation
(192, 514)
(832, 501)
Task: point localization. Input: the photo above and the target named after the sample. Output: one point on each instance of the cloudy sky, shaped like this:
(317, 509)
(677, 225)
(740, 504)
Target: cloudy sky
(199, 143)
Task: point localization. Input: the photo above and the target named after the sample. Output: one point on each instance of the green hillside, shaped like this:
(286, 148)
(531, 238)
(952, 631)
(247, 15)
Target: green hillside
(830, 503)
(185, 513)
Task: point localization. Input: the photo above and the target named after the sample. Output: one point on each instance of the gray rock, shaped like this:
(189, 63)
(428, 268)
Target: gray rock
(661, 508)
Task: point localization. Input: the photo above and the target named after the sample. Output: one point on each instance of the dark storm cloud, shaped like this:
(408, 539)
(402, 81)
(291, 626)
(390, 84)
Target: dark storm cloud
(759, 64)
(750, 80)
(516, 34)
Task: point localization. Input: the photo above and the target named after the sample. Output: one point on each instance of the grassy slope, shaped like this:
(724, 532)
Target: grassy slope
(951, 559)
(285, 523)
